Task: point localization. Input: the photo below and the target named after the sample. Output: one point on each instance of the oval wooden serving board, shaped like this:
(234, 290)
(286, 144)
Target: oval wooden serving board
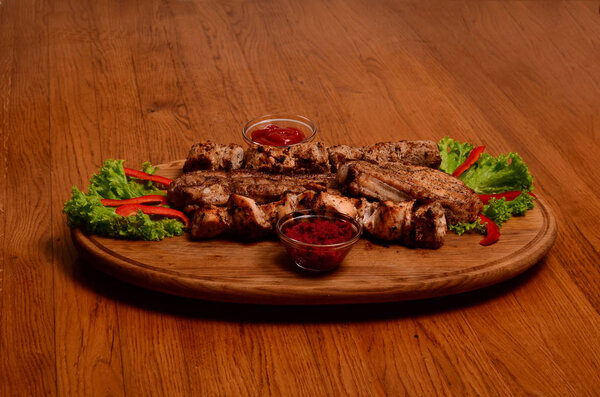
(261, 272)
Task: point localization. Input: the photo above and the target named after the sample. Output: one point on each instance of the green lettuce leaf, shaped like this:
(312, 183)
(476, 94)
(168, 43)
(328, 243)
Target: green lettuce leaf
(490, 175)
(148, 168)
(453, 154)
(520, 205)
(86, 210)
(498, 211)
(465, 227)
(111, 183)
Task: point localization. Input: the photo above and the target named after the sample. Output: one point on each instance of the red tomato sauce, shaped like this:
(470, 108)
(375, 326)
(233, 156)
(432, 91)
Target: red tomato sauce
(273, 135)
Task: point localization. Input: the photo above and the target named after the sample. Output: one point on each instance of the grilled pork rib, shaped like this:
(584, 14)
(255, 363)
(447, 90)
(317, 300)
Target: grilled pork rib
(214, 156)
(425, 153)
(305, 158)
(400, 182)
(407, 222)
(202, 188)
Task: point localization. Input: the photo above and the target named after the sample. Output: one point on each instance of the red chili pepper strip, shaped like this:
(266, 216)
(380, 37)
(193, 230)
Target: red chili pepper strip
(148, 199)
(147, 177)
(493, 231)
(473, 157)
(532, 194)
(509, 196)
(132, 209)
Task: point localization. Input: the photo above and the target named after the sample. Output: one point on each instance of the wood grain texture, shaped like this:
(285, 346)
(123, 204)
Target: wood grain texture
(82, 81)
(27, 286)
(261, 273)
(92, 359)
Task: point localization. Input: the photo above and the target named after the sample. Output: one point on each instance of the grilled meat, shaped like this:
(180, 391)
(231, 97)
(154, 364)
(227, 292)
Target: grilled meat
(305, 158)
(400, 182)
(248, 220)
(389, 220)
(339, 154)
(425, 153)
(407, 222)
(204, 188)
(430, 226)
(214, 156)
(211, 221)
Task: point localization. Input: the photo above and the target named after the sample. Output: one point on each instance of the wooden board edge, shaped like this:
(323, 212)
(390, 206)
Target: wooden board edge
(212, 290)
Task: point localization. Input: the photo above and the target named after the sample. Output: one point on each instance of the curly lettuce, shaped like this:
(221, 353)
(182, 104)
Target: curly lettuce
(489, 175)
(465, 227)
(453, 154)
(499, 211)
(111, 183)
(86, 211)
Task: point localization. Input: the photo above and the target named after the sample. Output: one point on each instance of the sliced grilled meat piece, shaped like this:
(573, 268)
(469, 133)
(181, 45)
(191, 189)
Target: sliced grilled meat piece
(305, 158)
(400, 182)
(214, 156)
(390, 220)
(205, 188)
(406, 222)
(425, 153)
(209, 222)
(278, 209)
(429, 226)
(248, 220)
(339, 154)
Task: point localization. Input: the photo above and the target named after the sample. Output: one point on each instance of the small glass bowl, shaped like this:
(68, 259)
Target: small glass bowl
(316, 257)
(302, 123)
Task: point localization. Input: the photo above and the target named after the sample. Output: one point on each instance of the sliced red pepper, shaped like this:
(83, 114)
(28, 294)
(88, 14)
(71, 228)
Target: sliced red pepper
(148, 199)
(473, 157)
(493, 231)
(147, 177)
(132, 209)
(532, 194)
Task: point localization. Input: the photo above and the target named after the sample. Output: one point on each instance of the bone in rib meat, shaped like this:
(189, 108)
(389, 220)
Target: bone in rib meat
(408, 222)
(401, 182)
(202, 188)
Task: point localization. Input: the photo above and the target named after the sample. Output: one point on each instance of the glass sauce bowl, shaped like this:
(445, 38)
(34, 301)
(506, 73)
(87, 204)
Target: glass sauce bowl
(282, 120)
(316, 257)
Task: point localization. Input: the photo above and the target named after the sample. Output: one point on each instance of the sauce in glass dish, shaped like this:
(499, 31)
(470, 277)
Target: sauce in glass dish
(321, 231)
(318, 241)
(273, 135)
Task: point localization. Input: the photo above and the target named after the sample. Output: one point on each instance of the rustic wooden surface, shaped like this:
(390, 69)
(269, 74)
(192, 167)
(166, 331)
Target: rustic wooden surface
(81, 81)
(261, 272)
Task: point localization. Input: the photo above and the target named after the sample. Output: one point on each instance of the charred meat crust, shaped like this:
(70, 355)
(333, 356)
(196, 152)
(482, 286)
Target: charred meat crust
(400, 182)
(425, 153)
(214, 156)
(203, 188)
(305, 158)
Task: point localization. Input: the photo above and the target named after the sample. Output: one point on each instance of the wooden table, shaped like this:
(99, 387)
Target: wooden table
(83, 81)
